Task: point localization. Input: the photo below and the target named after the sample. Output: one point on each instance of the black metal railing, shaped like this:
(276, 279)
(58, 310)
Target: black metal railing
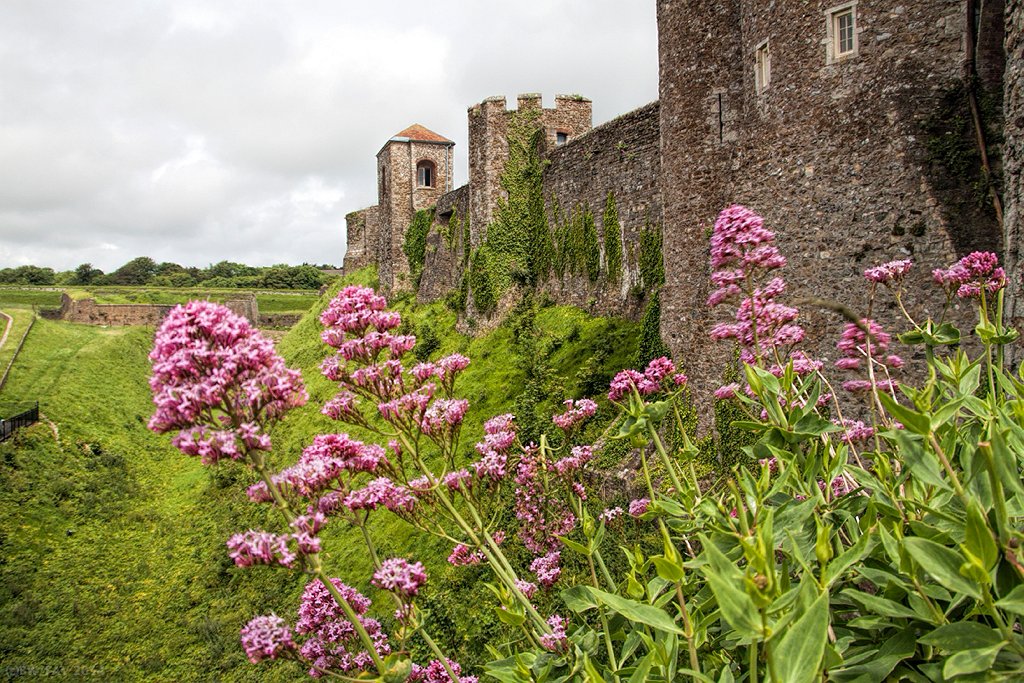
(23, 419)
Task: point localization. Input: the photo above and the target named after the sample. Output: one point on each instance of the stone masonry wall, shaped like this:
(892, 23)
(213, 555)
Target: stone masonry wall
(1013, 158)
(833, 155)
(621, 157)
(362, 230)
(488, 146)
(89, 312)
(443, 263)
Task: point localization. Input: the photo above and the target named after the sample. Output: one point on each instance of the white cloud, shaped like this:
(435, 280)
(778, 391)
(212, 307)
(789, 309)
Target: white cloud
(200, 130)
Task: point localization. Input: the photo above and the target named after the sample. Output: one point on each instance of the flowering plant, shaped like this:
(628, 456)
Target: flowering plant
(878, 534)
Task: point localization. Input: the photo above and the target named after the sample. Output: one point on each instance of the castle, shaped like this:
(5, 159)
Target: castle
(854, 127)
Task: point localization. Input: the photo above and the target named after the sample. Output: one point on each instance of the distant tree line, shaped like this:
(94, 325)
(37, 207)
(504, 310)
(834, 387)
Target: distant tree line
(146, 271)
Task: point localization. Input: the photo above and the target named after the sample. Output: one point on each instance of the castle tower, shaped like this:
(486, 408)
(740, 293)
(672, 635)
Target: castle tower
(488, 145)
(414, 169)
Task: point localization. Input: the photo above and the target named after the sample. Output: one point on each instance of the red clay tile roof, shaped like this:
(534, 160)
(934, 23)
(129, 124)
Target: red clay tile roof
(420, 134)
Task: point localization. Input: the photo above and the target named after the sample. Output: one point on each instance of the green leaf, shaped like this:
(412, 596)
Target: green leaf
(882, 606)
(923, 464)
(961, 635)
(725, 580)
(943, 564)
(914, 421)
(575, 547)
(1013, 602)
(971, 661)
(631, 609)
(978, 539)
(578, 599)
(643, 668)
(848, 558)
(508, 617)
(592, 672)
(667, 569)
(798, 655)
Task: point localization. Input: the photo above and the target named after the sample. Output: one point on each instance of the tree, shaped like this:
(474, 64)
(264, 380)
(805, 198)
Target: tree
(136, 272)
(85, 274)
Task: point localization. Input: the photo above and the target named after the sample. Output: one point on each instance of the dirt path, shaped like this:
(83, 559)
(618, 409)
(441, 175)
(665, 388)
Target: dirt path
(7, 329)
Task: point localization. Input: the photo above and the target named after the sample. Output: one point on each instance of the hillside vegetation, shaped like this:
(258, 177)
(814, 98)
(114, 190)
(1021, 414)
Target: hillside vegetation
(112, 543)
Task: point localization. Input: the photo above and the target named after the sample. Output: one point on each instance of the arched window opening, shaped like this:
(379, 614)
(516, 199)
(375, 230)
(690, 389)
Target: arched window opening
(425, 174)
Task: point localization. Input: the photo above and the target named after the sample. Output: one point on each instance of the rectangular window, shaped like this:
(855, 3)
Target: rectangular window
(561, 138)
(841, 32)
(762, 67)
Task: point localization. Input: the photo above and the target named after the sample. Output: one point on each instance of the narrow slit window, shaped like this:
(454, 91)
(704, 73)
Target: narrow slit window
(762, 67)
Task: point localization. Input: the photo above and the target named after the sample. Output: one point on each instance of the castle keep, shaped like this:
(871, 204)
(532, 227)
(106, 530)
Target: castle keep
(848, 125)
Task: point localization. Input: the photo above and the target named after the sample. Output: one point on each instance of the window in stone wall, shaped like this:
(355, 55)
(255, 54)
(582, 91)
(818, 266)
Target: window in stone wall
(841, 32)
(561, 138)
(762, 67)
(425, 174)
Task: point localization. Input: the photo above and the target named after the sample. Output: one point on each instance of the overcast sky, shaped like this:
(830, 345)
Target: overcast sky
(200, 131)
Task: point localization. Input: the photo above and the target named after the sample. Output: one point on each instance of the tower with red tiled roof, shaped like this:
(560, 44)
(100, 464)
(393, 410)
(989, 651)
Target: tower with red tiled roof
(414, 168)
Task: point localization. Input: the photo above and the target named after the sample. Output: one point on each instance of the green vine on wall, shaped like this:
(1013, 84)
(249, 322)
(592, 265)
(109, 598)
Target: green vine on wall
(520, 232)
(652, 267)
(577, 249)
(415, 245)
(612, 239)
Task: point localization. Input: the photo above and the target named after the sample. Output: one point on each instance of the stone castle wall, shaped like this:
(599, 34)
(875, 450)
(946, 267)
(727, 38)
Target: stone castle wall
(89, 312)
(1013, 157)
(834, 155)
(488, 146)
(838, 153)
(621, 157)
(444, 264)
(362, 230)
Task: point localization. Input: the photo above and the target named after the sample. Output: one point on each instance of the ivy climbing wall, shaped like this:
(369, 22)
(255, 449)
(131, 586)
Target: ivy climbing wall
(618, 161)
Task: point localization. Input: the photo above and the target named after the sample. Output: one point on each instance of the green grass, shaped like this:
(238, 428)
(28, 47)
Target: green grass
(113, 542)
(298, 301)
(29, 296)
(22, 318)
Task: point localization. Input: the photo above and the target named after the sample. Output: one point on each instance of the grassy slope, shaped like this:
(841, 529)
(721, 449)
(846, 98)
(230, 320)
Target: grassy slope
(112, 543)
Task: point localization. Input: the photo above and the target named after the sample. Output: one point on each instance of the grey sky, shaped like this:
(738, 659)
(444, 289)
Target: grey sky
(199, 131)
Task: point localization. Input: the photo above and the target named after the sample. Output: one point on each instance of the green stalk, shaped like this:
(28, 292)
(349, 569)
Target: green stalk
(669, 466)
(604, 623)
(691, 646)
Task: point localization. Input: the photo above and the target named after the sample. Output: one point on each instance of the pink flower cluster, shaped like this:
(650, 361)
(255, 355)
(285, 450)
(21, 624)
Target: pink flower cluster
(461, 556)
(260, 547)
(400, 576)
(638, 507)
(740, 246)
(743, 250)
(871, 346)
(658, 373)
(576, 412)
(212, 369)
(556, 641)
(499, 435)
(434, 672)
(609, 515)
(543, 516)
(855, 430)
(380, 492)
(267, 637)
(970, 275)
(891, 272)
(333, 643)
(547, 568)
